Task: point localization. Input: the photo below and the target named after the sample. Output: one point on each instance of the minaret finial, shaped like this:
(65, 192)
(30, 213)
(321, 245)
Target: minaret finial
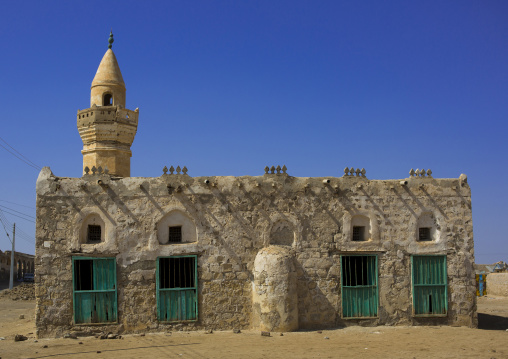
(111, 40)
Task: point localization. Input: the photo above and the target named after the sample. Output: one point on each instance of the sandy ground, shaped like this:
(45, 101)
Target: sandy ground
(489, 341)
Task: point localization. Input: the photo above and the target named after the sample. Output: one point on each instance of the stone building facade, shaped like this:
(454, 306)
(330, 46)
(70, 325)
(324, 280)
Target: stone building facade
(270, 252)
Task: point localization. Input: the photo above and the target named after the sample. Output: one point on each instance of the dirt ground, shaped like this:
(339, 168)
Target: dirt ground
(489, 341)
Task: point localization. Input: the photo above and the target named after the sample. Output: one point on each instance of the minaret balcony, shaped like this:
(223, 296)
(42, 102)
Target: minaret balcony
(110, 124)
(105, 114)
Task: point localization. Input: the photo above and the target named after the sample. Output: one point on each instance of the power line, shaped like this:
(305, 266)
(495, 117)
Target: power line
(22, 158)
(17, 204)
(17, 215)
(3, 225)
(24, 214)
(19, 232)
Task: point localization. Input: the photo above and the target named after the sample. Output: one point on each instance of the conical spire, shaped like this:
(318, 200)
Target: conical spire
(108, 87)
(108, 72)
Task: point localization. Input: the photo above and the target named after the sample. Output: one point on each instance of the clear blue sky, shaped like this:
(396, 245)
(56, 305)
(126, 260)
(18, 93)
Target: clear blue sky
(228, 87)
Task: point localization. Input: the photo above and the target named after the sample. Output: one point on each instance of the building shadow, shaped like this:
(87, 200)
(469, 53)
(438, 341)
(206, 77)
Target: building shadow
(315, 311)
(492, 322)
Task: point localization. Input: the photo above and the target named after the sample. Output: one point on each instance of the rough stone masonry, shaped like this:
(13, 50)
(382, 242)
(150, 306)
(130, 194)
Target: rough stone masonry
(237, 220)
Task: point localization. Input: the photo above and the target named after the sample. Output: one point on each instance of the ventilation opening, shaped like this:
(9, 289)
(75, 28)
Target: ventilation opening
(175, 234)
(83, 275)
(424, 234)
(358, 233)
(177, 272)
(93, 234)
(108, 100)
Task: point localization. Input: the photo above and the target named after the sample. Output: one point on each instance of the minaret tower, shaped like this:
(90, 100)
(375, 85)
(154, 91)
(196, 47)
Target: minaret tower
(107, 128)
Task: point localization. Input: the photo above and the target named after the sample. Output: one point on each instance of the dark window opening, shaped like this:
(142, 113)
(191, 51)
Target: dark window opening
(358, 233)
(94, 234)
(175, 234)
(177, 272)
(108, 100)
(424, 234)
(83, 275)
(358, 270)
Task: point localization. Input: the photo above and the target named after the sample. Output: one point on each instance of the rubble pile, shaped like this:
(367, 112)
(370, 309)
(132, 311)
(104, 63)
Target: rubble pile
(24, 291)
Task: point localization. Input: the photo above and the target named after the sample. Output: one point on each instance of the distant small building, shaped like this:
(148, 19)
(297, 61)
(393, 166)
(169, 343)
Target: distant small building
(500, 267)
(491, 268)
(23, 263)
(270, 252)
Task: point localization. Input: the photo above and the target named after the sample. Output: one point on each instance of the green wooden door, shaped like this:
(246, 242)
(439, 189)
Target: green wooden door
(95, 292)
(177, 288)
(430, 294)
(359, 286)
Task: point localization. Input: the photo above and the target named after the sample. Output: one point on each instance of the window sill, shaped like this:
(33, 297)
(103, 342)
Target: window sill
(178, 321)
(176, 243)
(96, 324)
(359, 318)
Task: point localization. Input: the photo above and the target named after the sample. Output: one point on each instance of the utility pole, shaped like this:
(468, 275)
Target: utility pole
(11, 280)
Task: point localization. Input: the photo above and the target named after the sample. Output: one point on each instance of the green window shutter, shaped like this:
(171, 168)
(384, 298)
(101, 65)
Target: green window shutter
(176, 287)
(359, 283)
(94, 290)
(430, 287)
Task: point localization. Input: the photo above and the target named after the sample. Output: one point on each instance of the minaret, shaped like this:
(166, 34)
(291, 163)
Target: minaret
(107, 128)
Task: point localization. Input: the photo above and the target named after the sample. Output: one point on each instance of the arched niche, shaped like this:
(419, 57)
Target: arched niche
(282, 233)
(427, 228)
(176, 227)
(93, 230)
(360, 227)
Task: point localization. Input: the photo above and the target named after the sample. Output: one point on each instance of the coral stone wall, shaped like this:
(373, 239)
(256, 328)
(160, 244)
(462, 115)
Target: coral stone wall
(235, 218)
(497, 284)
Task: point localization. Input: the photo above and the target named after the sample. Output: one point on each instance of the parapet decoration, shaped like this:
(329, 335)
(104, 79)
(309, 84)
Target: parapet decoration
(352, 172)
(95, 170)
(172, 170)
(271, 170)
(420, 173)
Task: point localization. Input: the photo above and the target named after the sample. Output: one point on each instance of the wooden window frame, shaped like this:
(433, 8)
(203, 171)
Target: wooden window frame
(350, 292)
(80, 295)
(419, 289)
(171, 293)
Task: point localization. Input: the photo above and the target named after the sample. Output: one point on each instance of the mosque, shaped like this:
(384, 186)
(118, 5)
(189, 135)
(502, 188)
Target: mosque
(273, 252)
